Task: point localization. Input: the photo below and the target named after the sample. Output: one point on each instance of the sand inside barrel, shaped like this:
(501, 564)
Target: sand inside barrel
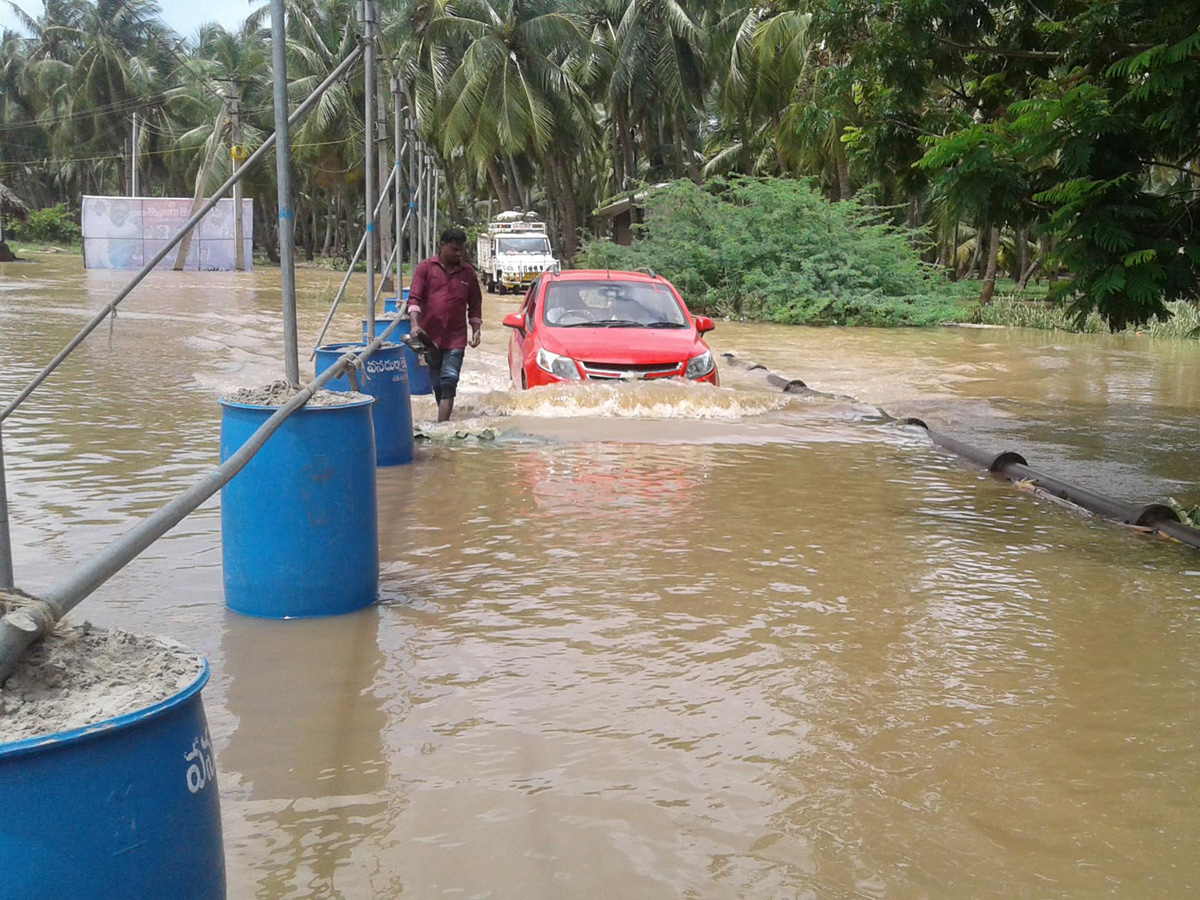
(278, 393)
(82, 675)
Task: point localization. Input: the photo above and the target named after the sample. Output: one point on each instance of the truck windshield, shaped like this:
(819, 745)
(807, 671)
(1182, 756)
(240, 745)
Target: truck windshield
(611, 304)
(522, 245)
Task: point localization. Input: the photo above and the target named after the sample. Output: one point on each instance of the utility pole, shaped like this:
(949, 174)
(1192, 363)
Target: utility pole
(367, 11)
(283, 179)
(236, 154)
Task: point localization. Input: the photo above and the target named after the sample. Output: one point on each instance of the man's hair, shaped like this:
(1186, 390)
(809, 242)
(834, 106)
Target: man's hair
(454, 236)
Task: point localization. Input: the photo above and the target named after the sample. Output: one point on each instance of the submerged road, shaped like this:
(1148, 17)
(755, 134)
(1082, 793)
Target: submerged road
(658, 640)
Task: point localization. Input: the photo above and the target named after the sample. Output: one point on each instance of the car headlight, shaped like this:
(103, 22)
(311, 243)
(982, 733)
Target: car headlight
(561, 366)
(699, 366)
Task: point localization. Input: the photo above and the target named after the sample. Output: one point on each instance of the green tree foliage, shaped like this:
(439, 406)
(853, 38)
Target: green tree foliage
(776, 249)
(1079, 119)
(1056, 143)
(53, 225)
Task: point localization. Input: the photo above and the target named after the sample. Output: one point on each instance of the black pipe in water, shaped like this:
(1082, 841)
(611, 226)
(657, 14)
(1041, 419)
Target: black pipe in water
(1155, 516)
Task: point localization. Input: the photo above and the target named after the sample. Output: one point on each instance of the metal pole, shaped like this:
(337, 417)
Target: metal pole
(386, 267)
(385, 198)
(136, 137)
(430, 203)
(422, 234)
(23, 626)
(283, 179)
(191, 223)
(368, 15)
(235, 162)
(345, 281)
(398, 174)
(6, 566)
(414, 247)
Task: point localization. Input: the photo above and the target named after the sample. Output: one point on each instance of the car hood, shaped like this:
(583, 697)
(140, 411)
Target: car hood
(632, 346)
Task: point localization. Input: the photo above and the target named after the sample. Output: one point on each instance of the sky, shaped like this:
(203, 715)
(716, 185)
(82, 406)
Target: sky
(185, 16)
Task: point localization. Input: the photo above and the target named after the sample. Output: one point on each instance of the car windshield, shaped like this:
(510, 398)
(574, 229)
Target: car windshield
(523, 245)
(611, 304)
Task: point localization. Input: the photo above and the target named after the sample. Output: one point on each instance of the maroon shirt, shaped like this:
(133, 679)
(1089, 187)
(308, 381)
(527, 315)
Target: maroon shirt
(445, 300)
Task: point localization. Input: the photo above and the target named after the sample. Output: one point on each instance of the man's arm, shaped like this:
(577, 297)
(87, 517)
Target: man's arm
(416, 297)
(475, 310)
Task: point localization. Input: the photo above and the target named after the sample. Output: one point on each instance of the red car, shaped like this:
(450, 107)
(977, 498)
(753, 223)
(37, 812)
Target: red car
(595, 325)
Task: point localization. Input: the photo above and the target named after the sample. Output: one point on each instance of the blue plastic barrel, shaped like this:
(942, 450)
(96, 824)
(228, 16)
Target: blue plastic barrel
(418, 374)
(298, 524)
(391, 305)
(385, 377)
(127, 807)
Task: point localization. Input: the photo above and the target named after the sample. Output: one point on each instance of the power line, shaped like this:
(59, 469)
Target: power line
(59, 160)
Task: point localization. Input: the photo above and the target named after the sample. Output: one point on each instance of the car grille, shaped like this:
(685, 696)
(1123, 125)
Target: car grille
(599, 370)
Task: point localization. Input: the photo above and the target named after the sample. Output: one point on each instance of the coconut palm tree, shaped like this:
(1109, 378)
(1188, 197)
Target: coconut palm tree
(659, 78)
(512, 92)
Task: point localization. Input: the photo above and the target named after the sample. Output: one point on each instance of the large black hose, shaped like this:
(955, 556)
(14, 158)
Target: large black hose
(1155, 517)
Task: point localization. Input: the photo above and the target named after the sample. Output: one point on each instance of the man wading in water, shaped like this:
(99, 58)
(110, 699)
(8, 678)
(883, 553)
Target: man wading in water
(443, 298)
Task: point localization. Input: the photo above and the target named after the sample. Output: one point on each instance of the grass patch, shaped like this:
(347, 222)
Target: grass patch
(1184, 321)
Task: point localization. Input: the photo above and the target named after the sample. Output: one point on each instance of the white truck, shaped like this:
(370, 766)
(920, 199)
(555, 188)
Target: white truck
(514, 251)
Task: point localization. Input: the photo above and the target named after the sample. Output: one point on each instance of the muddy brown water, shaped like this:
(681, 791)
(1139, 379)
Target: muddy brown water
(655, 641)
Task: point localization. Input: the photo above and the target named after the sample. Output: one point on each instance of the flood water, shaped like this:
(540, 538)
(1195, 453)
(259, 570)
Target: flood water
(662, 641)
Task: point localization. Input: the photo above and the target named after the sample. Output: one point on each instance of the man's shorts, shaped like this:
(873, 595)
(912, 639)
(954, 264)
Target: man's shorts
(444, 366)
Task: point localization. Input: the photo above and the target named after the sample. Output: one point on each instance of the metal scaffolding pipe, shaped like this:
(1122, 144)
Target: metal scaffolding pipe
(414, 247)
(337, 299)
(368, 18)
(191, 223)
(6, 564)
(283, 187)
(398, 147)
(26, 624)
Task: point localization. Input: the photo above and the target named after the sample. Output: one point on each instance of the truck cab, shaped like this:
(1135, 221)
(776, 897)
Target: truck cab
(514, 251)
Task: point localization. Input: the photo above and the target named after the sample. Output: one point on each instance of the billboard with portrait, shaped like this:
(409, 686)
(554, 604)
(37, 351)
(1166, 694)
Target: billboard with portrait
(126, 232)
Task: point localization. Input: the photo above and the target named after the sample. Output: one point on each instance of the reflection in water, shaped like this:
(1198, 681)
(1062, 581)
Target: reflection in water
(749, 646)
(304, 769)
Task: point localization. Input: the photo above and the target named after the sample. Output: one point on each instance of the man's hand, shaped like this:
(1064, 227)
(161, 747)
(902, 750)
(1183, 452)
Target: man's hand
(476, 337)
(417, 332)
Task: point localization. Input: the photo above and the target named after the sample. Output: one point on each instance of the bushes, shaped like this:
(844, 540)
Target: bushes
(775, 249)
(53, 225)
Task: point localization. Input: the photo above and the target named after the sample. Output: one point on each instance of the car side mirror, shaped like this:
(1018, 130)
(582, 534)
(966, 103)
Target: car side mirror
(704, 324)
(515, 320)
